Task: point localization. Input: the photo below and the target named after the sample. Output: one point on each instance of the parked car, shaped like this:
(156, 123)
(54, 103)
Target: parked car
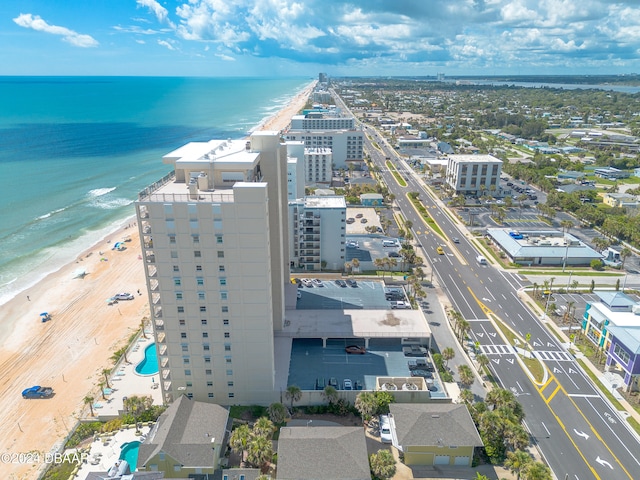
(455, 240)
(363, 220)
(37, 392)
(355, 349)
(419, 372)
(307, 282)
(320, 383)
(351, 220)
(360, 215)
(317, 282)
(352, 283)
(414, 351)
(297, 281)
(347, 385)
(393, 254)
(385, 429)
(420, 364)
(341, 283)
(333, 381)
(123, 296)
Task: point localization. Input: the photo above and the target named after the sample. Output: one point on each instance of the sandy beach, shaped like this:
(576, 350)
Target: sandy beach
(70, 351)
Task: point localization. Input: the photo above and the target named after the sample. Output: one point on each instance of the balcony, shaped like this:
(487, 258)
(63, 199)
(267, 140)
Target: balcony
(161, 338)
(162, 350)
(166, 374)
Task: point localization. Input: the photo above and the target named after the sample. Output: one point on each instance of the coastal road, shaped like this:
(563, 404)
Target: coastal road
(578, 432)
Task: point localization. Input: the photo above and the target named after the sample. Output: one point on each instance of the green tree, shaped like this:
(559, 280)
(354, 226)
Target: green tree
(536, 471)
(137, 405)
(366, 405)
(383, 399)
(259, 451)
(277, 412)
(483, 361)
(88, 400)
(517, 461)
(624, 254)
(382, 464)
(106, 372)
(293, 393)
(448, 354)
(239, 440)
(466, 375)
(330, 394)
(466, 396)
(264, 427)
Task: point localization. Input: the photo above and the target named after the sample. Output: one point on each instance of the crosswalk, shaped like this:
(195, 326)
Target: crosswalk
(554, 356)
(497, 349)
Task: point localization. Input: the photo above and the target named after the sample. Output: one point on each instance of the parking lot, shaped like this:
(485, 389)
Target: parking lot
(580, 300)
(310, 361)
(366, 248)
(367, 294)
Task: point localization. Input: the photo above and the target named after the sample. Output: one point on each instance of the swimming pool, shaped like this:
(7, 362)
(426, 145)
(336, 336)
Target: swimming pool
(148, 366)
(129, 452)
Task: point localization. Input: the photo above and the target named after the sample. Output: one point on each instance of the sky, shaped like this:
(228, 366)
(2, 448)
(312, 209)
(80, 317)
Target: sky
(305, 37)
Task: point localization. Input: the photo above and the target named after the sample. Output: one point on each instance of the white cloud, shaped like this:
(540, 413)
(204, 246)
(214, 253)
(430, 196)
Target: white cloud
(34, 22)
(225, 57)
(167, 44)
(158, 10)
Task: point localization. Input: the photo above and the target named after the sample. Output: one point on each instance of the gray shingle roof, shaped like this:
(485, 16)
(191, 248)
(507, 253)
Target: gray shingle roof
(317, 453)
(426, 424)
(187, 432)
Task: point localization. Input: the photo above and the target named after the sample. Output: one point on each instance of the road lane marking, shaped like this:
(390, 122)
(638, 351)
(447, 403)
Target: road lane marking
(553, 394)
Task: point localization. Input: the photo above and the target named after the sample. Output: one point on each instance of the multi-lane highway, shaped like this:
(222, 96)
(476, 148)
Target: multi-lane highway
(578, 432)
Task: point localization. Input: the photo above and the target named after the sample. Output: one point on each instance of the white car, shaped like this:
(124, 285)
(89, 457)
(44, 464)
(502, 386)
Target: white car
(317, 282)
(307, 282)
(123, 296)
(347, 385)
(385, 429)
(400, 305)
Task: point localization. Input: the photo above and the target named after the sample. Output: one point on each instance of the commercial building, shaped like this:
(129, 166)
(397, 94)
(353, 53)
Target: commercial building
(216, 257)
(295, 170)
(317, 232)
(549, 247)
(473, 174)
(613, 325)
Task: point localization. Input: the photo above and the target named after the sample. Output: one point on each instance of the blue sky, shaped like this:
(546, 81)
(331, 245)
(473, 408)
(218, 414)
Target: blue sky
(304, 37)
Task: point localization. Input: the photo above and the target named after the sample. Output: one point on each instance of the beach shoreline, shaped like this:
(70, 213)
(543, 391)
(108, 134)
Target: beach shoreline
(70, 351)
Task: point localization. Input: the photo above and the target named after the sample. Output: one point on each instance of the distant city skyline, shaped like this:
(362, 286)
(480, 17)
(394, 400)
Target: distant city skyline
(301, 38)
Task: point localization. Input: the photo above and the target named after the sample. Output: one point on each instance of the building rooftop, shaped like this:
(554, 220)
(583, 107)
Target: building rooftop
(325, 201)
(475, 158)
(549, 244)
(434, 424)
(317, 453)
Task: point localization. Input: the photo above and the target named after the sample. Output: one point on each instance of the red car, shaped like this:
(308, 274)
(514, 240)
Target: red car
(355, 349)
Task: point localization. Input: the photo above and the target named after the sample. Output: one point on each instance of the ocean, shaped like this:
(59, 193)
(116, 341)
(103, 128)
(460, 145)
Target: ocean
(75, 152)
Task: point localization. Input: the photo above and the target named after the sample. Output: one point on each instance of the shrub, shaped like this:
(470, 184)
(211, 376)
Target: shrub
(84, 431)
(597, 264)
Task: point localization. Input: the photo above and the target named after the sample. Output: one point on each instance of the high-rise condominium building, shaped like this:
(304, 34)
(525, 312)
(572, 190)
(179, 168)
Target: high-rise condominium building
(215, 250)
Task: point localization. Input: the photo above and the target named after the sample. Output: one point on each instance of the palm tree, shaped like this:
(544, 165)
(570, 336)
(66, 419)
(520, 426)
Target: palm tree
(101, 387)
(277, 412)
(264, 427)
(447, 354)
(466, 375)
(355, 265)
(466, 396)
(106, 372)
(330, 393)
(601, 243)
(348, 267)
(260, 451)
(366, 405)
(293, 393)
(624, 253)
(483, 361)
(536, 471)
(239, 439)
(464, 327)
(88, 400)
(379, 264)
(517, 461)
(419, 272)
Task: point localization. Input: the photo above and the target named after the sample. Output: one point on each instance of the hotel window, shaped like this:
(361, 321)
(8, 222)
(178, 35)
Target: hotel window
(227, 335)
(207, 359)
(210, 394)
(227, 347)
(189, 384)
(183, 335)
(218, 238)
(223, 280)
(174, 254)
(176, 268)
(193, 224)
(621, 353)
(185, 347)
(229, 384)
(197, 253)
(207, 372)
(180, 309)
(227, 360)
(225, 309)
(225, 321)
(203, 321)
(200, 295)
(203, 308)
(217, 209)
(198, 268)
(209, 383)
(192, 208)
(177, 282)
(205, 335)
(231, 395)
(196, 238)
(187, 372)
(229, 372)
(172, 239)
(221, 268)
(178, 295)
(205, 347)
(171, 225)
(185, 360)
(217, 224)
(182, 321)
(200, 280)
(220, 254)
(224, 295)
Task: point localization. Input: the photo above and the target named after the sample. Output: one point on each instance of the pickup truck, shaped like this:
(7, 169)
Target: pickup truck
(414, 351)
(420, 364)
(37, 392)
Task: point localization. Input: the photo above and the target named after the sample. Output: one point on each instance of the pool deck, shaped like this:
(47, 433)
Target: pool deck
(104, 451)
(125, 382)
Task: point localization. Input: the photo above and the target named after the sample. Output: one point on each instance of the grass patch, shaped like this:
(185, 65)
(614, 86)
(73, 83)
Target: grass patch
(431, 223)
(395, 173)
(60, 471)
(559, 272)
(507, 332)
(535, 367)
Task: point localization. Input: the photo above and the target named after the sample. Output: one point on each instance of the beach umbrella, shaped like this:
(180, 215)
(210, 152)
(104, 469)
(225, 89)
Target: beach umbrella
(44, 314)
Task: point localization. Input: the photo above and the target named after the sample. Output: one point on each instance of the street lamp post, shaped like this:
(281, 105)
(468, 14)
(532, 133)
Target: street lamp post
(546, 307)
(569, 282)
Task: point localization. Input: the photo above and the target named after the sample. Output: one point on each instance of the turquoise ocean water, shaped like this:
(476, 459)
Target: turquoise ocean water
(75, 152)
